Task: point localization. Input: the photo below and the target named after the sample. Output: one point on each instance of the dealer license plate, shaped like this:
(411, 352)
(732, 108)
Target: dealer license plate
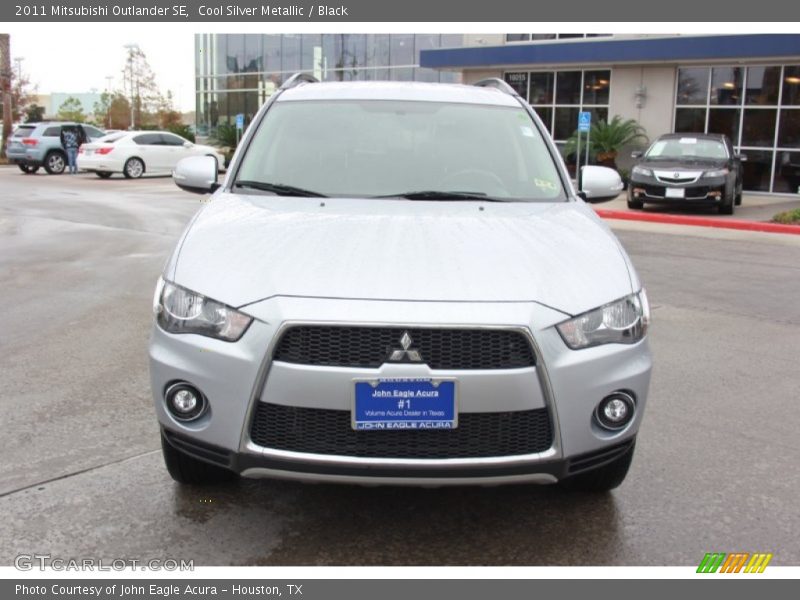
(675, 192)
(405, 404)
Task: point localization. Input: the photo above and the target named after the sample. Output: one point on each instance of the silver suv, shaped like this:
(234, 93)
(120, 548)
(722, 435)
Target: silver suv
(397, 283)
(35, 145)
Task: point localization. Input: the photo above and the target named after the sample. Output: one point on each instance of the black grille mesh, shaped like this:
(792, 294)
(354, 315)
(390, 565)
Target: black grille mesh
(324, 431)
(370, 347)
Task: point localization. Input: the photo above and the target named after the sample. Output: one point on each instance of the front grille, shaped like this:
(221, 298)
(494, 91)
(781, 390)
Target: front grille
(324, 431)
(654, 191)
(370, 347)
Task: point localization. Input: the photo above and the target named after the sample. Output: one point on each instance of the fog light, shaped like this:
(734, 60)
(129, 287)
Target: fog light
(184, 401)
(615, 410)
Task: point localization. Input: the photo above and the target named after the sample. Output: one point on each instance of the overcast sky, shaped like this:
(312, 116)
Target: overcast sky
(76, 58)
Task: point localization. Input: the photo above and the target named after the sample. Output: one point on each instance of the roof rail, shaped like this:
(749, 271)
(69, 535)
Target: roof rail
(297, 79)
(497, 83)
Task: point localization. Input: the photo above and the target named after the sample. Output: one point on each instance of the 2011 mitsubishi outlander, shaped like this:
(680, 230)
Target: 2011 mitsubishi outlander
(397, 283)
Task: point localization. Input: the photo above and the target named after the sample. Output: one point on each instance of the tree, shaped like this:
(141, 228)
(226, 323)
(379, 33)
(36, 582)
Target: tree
(113, 110)
(71, 110)
(143, 91)
(167, 116)
(34, 113)
(608, 138)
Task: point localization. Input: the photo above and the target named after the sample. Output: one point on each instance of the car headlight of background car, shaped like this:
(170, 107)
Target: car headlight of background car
(716, 173)
(623, 321)
(179, 310)
(643, 171)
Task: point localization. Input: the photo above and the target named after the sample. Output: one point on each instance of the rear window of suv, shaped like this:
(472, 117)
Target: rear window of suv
(23, 131)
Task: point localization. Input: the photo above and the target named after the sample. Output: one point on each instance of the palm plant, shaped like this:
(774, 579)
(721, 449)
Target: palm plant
(608, 138)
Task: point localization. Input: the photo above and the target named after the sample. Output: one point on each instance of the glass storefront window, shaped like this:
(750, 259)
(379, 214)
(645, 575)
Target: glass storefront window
(758, 127)
(789, 129)
(518, 81)
(763, 84)
(754, 106)
(693, 85)
(757, 170)
(566, 122)
(568, 87)
(724, 120)
(726, 85)
(541, 88)
(787, 172)
(791, 86)
(595, 87)
(689, 120)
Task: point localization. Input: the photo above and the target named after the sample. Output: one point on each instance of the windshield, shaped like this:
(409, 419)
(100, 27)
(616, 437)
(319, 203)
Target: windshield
(687, 148)
(372, 148)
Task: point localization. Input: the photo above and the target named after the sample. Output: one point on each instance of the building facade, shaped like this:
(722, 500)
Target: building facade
(745, 86)
(236, 73)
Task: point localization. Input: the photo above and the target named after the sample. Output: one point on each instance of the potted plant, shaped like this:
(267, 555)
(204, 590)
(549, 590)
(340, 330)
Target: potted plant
(606, 139)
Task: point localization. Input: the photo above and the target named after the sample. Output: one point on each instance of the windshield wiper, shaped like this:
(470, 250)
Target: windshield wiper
(277, 188)
(441, 195)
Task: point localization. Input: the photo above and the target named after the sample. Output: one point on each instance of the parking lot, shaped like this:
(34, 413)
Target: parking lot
(82, 474)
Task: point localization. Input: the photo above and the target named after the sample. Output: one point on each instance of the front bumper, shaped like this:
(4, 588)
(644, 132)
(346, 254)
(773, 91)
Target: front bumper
(704, 191)
(237, 377)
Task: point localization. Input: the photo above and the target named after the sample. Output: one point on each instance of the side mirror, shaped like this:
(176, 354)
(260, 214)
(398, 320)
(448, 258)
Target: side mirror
(637, 154)
(742, 157)
(187, 144)
(599, 183)
(196, 174)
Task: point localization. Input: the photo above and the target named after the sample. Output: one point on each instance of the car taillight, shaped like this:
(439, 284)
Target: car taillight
(103, 150)
(30, 141)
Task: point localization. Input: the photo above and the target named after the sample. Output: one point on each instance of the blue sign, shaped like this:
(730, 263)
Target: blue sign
(240, 121)
(404, 404)
(584, 121)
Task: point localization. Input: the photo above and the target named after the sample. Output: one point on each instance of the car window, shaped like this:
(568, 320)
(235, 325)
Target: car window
(364, 148)
(171, 139)
(22, 131)
(687, 147)
(92, 132)
(148, 139)
(52, 131)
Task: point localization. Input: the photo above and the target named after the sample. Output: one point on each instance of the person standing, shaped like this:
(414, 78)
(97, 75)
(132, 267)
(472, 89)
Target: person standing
(71, 141)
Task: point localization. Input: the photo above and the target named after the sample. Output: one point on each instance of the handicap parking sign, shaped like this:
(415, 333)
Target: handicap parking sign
(584, 121)
(240, 121)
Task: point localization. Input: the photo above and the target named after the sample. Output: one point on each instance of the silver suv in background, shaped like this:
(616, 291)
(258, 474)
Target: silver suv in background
(36, 145)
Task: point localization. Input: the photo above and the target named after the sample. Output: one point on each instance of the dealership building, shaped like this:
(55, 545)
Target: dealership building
(745, 86)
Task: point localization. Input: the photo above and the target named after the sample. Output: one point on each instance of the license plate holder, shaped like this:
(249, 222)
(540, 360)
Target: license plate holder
(404, 403)
(676, 192)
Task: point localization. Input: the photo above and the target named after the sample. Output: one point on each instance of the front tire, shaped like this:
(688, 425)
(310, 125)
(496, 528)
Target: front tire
(134, 168)
(55, 163)
(602, 479)
(189, 470)
(728, 205)
(635, 204)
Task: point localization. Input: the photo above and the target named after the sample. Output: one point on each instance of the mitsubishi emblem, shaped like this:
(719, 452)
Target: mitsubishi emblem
(406, 354)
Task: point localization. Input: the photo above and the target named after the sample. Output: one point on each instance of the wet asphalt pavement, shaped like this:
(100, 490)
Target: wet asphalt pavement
(716, 467)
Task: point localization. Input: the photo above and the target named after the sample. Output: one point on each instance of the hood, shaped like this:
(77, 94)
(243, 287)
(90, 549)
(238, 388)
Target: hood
(241, 249)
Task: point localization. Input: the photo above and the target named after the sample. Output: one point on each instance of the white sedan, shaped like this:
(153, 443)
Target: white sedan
(134, 153)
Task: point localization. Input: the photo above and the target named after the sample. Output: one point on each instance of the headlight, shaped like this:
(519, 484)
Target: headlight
(643, 171)
(716, 173)
(624, 321)
(179, 310)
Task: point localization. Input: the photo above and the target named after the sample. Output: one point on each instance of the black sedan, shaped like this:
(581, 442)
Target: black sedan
(688, 169)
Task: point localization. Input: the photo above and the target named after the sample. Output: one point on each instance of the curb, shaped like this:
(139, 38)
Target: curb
(699, 221)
